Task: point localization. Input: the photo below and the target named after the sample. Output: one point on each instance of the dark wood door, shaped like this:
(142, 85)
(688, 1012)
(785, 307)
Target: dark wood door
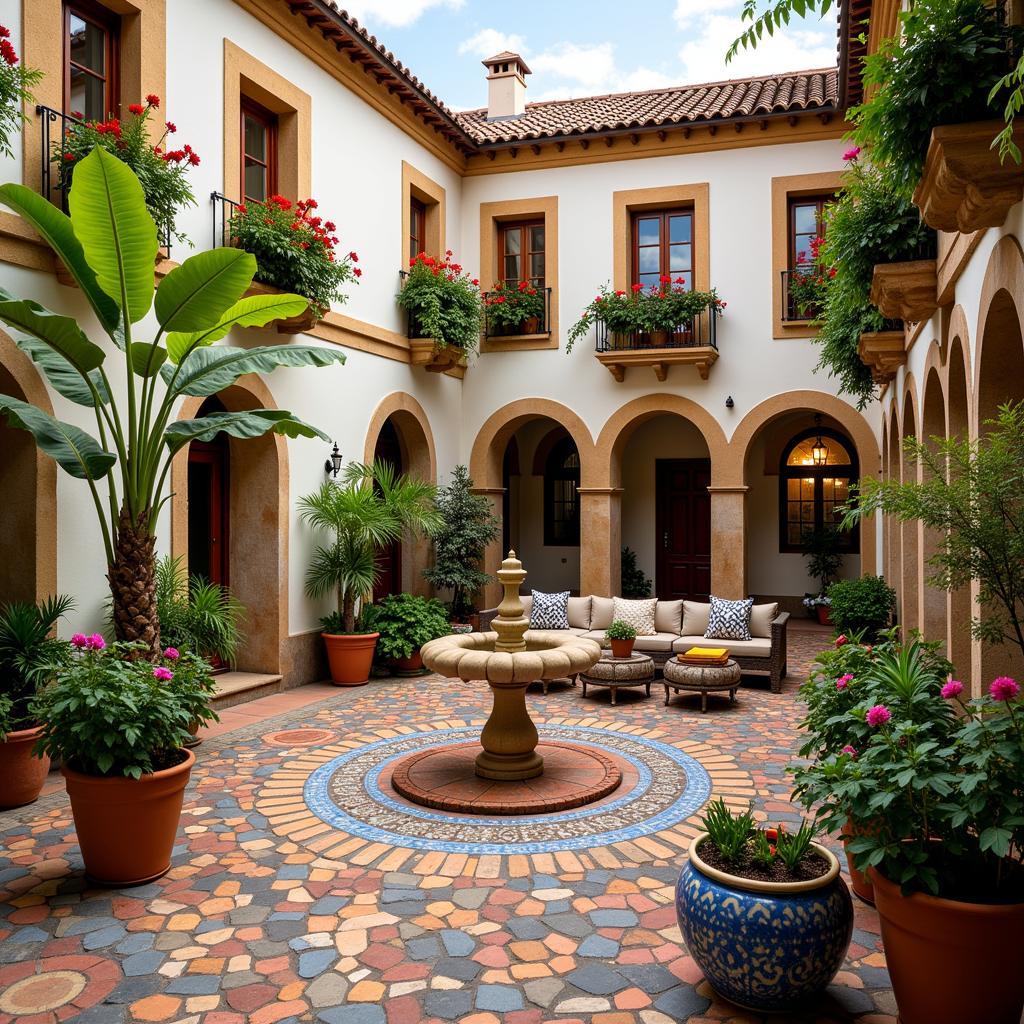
(208, 510)
(683, 523)
(389, 557)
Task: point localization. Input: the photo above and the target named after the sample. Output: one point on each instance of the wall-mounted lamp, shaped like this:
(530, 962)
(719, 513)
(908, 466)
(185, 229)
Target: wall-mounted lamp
(729, 403)
(332, 467)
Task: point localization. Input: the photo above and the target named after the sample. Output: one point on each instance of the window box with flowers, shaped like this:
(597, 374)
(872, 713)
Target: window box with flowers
(16, 84)
(445, 312)
(514, 309)
(296, 251)
(161, 170)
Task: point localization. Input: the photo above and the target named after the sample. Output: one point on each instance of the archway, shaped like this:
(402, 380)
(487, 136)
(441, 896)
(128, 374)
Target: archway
(257, 521)
(399, 433)
(958, 408)
(910, 532)
(933, 430)
(28, 483)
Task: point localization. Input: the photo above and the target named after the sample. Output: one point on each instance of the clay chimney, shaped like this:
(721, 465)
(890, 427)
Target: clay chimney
(506, 85)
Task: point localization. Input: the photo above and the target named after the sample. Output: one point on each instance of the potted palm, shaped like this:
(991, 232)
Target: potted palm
(118, 722)
(372, 507)
(29, 655)
(405, 623)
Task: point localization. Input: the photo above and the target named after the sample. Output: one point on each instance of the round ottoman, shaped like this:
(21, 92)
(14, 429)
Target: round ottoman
(636, 670)
(702, 679)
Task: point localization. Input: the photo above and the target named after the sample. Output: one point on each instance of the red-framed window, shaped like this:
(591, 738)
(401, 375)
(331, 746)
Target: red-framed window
(91, 41)
(663, 246)
(521, 246)
(417, 227)
(806, 222)
(259, 153)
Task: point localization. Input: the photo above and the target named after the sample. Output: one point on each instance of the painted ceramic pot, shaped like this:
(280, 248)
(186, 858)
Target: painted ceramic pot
(766, 946)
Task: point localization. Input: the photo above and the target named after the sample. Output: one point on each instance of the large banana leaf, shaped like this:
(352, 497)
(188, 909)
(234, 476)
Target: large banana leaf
(247, 424)
(109, 215)
(207, 370)
(61, 333)
(194, 296)
(75, 451)
(55, 227)
(253, 311)
(61, 374)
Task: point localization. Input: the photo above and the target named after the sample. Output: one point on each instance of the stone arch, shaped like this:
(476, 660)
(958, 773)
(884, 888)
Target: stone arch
(958, 424)
(934, 603)
(416, 442)
(28, 482)
(258, 513)
(911, 532)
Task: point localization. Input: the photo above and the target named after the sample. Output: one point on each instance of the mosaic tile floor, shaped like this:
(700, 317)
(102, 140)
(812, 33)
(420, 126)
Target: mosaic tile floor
(303, 889)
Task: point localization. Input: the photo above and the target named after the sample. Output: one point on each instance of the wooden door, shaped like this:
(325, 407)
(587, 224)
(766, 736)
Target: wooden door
(389, 557)
(208, 510)
(683, 524)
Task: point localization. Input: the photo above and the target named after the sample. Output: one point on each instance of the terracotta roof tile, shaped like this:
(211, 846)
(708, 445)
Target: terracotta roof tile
(679, 105)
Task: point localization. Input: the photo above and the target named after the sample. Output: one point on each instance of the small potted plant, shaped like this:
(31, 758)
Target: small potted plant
(820, 548)
(445, 311)
(764, 912)
(514, 309)
(621, 635)
(297, 251)
(405, 623)
(618, 310)
(29, 656)
(119, 723)
(373, 506)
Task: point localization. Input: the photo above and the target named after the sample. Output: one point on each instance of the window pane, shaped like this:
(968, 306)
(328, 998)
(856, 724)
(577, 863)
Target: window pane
(87, 96)
(679, 258)
(88, 45)
(255, 181)
(679, 228)
(649, 261)
(537, 239)
(537, 265)
(511, 268)
(255, 138)
(513, 241)
(647, 279)
(803, 455)
(648, 232)
(805, 219)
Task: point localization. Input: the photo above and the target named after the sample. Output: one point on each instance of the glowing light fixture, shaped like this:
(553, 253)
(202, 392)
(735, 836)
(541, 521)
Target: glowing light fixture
(819, 452)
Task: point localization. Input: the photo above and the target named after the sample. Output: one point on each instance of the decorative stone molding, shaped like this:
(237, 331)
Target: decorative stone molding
(618, 361)
(906, 291)
(884, 352)
(434, 357)
(964, 187)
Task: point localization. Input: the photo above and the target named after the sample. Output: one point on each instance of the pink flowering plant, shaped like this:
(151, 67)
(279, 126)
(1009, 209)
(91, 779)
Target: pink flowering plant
(146, 144)
(809, 281)
(111, 711)
(16, 84)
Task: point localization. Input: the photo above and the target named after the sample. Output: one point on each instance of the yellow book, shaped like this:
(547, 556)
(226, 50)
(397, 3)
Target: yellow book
(706, 652)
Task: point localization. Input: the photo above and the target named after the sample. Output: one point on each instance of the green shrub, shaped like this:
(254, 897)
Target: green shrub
(405, 623)
(862, 606)
(443, 302)
(635, 583)
(620, 630)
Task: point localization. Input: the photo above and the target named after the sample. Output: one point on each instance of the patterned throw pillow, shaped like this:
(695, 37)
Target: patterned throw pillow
(549, 611)
(729, 620)
(639, 614)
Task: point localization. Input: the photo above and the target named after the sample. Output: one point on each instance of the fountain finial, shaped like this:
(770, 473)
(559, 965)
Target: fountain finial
(510, 623)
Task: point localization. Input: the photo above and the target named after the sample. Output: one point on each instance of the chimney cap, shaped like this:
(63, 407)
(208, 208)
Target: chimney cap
(507, 57)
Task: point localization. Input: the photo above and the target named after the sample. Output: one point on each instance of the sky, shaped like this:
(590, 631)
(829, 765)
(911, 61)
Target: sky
(583, 47)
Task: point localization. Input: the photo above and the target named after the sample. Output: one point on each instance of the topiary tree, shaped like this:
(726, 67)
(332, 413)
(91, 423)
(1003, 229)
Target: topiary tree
(467, 527)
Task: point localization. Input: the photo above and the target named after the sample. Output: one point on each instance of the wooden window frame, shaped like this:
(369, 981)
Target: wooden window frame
(417, 187)
(417, 226)
(250, 108)
(554, 469)
(850, 541)
(110, 23)
(664, 246)
(793, 201)
(525, 252)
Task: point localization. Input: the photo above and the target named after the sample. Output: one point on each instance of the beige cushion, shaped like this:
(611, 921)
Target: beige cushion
(596, 634)
(527, 600)
(574, 632)
(756, 648)
(639, 614)
(579, 612)
(695, 618)
(601, 613)
(658, 642)
(668, 617)
(761, 616)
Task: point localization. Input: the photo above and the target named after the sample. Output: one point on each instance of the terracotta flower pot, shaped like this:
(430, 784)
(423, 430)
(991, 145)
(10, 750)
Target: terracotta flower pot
(824, 614)
(659, 339)
(126, 827)
(951, 962)
(21, 773)
(622, 648)
(411, 666)
(531, 325)
(299, 324)
(859, 882)
(350, 657)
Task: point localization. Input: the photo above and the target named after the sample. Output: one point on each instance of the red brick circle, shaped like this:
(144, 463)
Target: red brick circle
(298, 737)
(55, 988)
(444, 778)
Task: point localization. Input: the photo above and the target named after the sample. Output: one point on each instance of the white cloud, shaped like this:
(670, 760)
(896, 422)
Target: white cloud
(489, 41)
(394, 13)
(690, 12)
(567, 69)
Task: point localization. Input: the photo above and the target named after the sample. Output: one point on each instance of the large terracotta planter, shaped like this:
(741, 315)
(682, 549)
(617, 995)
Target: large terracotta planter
(622, 648)
(411, 666)
(21, 773)
(350, 657)
(824, 613)
(860, 883)
(766, 946)
(127, 827)
(951, 962)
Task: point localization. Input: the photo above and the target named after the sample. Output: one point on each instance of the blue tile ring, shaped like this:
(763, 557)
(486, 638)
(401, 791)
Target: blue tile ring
(766, 946)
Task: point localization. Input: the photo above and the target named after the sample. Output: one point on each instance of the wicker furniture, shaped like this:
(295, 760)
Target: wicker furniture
(636, 670)
(702, 679)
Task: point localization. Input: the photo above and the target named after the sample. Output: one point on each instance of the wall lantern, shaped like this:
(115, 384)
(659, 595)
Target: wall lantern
(819, 452)
(729, 403)
(332, 467)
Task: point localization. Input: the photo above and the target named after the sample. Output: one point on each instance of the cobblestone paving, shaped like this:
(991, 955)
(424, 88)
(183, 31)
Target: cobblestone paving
(284, 905)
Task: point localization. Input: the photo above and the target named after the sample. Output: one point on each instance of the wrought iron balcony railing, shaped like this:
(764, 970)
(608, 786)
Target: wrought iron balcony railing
(223, 210)
(494, 330)
(700, 332)
(790, 312)
(54, 125)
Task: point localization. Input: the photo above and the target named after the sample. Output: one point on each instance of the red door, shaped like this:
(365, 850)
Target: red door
(208, 510)
(683, 523)
(389, 557)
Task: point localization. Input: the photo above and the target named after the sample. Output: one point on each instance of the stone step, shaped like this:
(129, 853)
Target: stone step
(241, 687)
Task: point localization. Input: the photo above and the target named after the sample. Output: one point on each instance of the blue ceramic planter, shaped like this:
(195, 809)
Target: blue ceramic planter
(764, 946)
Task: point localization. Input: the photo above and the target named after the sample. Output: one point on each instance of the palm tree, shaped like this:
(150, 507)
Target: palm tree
(372, 507)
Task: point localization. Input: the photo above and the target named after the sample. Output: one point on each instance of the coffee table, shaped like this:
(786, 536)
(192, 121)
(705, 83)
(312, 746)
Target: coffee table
(636, 670)
(702, 679)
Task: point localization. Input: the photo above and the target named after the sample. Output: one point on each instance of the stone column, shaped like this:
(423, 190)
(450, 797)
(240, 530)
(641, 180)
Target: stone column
(728, 542)
(600, 540)
(493, 555)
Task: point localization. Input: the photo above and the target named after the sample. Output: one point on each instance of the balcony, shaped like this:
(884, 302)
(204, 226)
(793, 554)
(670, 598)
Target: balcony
(528, 331)
(694, 343)
(427, 352)
(223, 210)
(791, 314)
(53, 126)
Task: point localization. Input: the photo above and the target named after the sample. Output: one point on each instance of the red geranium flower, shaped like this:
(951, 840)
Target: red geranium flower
(638, 288)
(357, 272)
(153, 100)
(7, 51)
(171, 127)
(136, 108)
(354, 257)
(4, 32)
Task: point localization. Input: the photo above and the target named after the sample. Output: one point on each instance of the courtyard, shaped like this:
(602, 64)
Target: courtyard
(302, 890)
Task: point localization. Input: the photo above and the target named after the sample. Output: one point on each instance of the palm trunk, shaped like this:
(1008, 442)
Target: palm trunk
(349, 613)
(132, 584)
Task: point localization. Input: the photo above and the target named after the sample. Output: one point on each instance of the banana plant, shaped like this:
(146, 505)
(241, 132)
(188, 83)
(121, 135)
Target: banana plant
(108, 244)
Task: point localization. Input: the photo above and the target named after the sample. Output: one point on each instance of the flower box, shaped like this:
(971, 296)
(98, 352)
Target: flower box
(290, 325)
(434, 356)
(964, 187)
